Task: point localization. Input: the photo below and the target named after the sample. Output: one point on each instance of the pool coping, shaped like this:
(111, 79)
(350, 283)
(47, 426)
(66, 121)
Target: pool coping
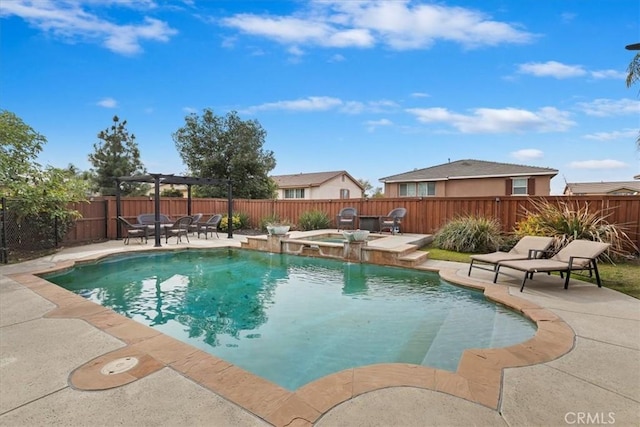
(478, 377)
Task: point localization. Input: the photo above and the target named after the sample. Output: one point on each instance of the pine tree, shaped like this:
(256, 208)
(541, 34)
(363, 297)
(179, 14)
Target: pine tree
(116, 155)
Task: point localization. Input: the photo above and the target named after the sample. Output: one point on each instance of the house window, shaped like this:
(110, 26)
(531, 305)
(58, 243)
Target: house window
(408, 189)
(426, 189)
(294, 193)
(344, 193)
(519, 186)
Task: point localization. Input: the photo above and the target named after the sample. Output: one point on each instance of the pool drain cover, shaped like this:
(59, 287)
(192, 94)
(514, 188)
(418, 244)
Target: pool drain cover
(119, 366)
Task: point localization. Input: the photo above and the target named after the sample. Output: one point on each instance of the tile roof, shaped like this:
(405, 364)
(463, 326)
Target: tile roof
(602, 187)
(469, 168)
(313, 179)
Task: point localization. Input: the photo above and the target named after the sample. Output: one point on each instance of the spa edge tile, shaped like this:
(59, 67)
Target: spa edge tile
(293, 409)
(453, 384)
(199, 365)
(248, 390)
(132, 332)
(106, 319)
(373, 377)
(164, 348)
(325, 393)
(540, 314)
(77, 309)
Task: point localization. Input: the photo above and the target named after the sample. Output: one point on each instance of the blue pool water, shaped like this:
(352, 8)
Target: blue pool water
(294, 319)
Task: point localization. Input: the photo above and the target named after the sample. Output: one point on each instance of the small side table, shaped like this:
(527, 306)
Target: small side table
(369, 222)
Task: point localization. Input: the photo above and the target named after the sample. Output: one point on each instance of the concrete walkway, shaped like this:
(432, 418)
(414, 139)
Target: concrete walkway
(597, 382)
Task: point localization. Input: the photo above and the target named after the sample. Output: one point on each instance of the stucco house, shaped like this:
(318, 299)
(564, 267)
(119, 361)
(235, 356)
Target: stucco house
(470, 177)
(618, 188)
(319, 185)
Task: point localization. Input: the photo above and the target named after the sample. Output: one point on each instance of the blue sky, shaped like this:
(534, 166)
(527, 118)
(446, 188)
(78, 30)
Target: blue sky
(376, 88)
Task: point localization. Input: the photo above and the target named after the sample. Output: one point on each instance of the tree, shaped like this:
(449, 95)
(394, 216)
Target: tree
(227, 148)
(19, 148)
(39, 197)
(634, 74)
(117, 155)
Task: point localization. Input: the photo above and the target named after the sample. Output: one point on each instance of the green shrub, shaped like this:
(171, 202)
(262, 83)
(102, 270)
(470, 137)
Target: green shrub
(224, 223)
(469, 234)
(314, 220)
(566, 221)
(244, 220)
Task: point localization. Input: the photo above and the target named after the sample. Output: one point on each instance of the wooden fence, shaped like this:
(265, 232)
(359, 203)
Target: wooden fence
(424, 215)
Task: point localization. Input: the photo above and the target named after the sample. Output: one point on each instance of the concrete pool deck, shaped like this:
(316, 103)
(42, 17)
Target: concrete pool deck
(585, 365)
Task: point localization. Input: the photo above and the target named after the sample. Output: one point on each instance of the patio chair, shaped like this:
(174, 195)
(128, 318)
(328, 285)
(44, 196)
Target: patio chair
(134, 230)
(346, 218)
(393, 220)
(210, 226)
(150, 219)
(577, 255)
(179, 228)
(194, 225)
(527, 247)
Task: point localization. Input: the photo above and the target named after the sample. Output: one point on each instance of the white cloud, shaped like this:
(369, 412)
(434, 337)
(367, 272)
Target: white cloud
(608, 74)
(612, 136)
(552, 69)
(324, 103)
(190, 110)
(420, 95)
(507, 120)
(312, 103)
(609, 107)
(598, 164)
(373, 124)
(67, 20)
(527, 154)
(400, 25)
(107, 103)
(337, 58)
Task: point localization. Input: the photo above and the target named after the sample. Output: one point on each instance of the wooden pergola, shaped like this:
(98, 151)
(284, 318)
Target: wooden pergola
(158, 179)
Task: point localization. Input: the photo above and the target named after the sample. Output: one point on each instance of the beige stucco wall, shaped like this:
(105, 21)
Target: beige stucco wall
(475, 187)
(330, 189)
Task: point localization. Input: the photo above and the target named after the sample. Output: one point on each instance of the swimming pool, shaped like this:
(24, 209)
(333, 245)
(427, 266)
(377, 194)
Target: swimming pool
(295, 319)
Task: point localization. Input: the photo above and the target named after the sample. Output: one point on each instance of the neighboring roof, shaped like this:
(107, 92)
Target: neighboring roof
(576, 188)
(469, 168)
(313, 179)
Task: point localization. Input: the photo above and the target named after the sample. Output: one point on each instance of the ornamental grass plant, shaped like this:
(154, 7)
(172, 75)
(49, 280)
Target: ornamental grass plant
(566, 221)
(471, 234)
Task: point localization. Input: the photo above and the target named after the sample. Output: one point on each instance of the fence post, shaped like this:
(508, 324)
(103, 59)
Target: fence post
(4, 253)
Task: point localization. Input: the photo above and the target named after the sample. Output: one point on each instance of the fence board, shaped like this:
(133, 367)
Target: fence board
(424, 215)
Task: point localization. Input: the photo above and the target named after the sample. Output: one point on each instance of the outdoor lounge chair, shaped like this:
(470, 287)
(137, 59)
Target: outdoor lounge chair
(210, 226)
(393, 220)
(179, 228)
(346, 218)
(193, 228)
(527, 247)
(577, 255)
(134, 230)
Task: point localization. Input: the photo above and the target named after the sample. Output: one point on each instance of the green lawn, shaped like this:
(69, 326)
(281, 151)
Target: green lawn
(623, 277)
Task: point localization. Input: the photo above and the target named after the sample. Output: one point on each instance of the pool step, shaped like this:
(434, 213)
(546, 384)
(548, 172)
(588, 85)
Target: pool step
(413, 259)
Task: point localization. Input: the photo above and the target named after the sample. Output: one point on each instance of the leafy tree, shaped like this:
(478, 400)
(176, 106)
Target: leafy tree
(377, 193)
(227, 147)
(19, 148)
(117, 155)
(39, 196)
(367, 186)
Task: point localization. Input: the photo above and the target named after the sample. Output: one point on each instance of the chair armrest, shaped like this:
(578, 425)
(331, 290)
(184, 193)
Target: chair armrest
(571, 258)
(534, 253)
